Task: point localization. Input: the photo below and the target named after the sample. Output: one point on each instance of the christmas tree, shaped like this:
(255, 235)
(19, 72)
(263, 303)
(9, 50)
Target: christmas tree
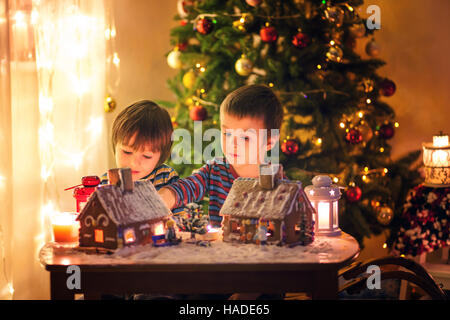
(337, 120)
(192, 220)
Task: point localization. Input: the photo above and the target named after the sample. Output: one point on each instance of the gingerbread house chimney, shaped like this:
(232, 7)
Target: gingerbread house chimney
(126, 179)
(268, 175)
(113, 177)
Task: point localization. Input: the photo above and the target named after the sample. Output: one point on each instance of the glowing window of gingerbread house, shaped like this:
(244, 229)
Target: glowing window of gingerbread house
(98, 233)
(129, 236)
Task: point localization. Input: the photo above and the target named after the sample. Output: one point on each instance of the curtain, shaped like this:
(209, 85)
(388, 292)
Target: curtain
(53, 71)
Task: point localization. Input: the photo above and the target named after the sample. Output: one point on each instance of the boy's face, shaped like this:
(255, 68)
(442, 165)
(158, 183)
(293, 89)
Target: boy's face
(142, 162)
(243, 143)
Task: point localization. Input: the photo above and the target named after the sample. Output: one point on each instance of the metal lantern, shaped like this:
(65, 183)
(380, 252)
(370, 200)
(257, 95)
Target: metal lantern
(436, 157)
(324, 197)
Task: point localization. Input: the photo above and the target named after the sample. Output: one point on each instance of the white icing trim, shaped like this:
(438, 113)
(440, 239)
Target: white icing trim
(105, 223)
(88, 224)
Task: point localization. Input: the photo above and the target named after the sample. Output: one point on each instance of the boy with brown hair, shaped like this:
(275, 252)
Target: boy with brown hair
(141, 140)
(245, 114)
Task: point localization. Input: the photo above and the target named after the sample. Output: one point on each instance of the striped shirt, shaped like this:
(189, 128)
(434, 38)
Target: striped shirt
(215, 178)
(160, 176)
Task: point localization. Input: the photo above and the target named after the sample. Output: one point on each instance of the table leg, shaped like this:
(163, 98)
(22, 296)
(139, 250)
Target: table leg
(325, 285)
(58, 287)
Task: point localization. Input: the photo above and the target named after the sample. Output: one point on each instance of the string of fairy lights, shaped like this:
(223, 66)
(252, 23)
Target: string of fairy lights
(64, 36)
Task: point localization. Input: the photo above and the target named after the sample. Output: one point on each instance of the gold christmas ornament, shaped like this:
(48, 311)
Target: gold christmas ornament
(385, 215)
(244, 66)
(173, 59)
(110, 104)
(334, 15)
(335, 54)
(373, 49)
(189, 79)
(243, 23)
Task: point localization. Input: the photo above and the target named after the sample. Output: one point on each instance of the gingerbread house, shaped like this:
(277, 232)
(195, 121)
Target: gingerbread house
(281, 205)
(122, 213)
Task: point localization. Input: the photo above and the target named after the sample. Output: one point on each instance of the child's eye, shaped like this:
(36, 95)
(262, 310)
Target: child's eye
(127, 152)
(147, 157)
(245, 138)
(227, 134)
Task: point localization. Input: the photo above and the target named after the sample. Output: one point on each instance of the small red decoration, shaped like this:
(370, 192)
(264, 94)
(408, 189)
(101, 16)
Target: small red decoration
(387, 88)
(353, 194)
(182, 46)
(301, 40)
(198, 113)
(204, 26)
(268, 34)
(82, 194)
(387, 131)
(354, 136)
(290, 147)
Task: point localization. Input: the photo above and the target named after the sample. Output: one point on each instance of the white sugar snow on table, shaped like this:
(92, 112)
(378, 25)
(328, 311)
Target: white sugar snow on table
(322, 250)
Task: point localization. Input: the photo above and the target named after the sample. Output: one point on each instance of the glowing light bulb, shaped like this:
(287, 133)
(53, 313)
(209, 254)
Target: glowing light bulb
(271, 84)
(384, 245)
(116, 59)
(360, 114)
(45, 173)
(368, 101)
(319, 141)
(202, 69)
(366, 169)
(19, 18)
(95, 126)
(45, 104)
(396, 124)
(381, 149)
(335, 180)
(342, 125)
(385, 170)
(364, 178)
(332, 42)
(319, 66)
(77, 159)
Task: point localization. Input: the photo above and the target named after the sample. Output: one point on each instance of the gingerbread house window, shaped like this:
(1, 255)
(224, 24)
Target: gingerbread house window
(129, 235)
(99, 237)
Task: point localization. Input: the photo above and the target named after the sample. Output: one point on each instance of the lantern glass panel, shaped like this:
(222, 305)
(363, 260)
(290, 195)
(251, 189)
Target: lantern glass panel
(335, 214)
(324, 215)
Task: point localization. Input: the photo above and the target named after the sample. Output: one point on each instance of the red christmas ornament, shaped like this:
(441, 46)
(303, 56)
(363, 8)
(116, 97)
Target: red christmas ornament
(182, 46)
(387, 131)
(387, 88)
(353, 194)
(197, 113)
(301, 40)
(354, 136)
(183, 23)
(268, 34)
(204, 26)
(290, 147)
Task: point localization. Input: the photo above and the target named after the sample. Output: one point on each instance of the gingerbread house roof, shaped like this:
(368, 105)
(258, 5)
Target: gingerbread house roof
(247, 199)
(125, 207)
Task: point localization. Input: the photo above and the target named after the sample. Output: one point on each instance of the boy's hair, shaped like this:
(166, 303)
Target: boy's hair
(152, 125)
(255, 101)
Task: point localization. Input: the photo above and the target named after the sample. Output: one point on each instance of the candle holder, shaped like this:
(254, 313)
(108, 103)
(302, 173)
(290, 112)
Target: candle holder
(324, 197)
(436, 158)
(65, 227)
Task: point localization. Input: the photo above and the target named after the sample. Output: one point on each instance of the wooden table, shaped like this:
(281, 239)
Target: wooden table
(190, 269)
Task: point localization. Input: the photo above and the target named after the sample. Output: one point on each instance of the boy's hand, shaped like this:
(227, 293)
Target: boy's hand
(168, 197)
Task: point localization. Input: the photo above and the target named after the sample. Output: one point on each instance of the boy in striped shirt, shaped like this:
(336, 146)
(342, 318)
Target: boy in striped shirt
(244, 114)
